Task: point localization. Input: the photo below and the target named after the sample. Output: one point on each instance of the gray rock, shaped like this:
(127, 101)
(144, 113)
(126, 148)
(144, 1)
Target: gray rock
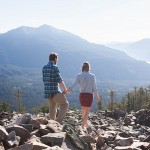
(42, 120)
(12, 139)
(1, 146)
(23, 119)
(74, 138)
(54, 126)
(109, 136)
(100, 142)
(39, 146)
(147, 139)
(35, 123)
(141, 137)
(43, 131)
(55, 148)
(3, 133)
(36, 133)
(29, 127)
(88, 138)
(72, 121)
(145, 145)
(26, 146)
(107, 132)
(23, 133)
(124, 148)
(54, 139)
(123, 141)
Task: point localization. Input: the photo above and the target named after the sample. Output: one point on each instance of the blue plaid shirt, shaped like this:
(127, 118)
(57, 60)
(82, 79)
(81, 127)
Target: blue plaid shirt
(51, 79)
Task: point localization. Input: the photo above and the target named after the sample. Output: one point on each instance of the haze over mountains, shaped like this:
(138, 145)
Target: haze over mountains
(139, 50)
(30, 47)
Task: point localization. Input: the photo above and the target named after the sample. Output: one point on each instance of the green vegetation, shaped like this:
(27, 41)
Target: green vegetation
(4, 107)
(137, 99)
(44, 109)
(18, 100)
(25, 93)
(100, 104)
(22, 93)
(134, 100)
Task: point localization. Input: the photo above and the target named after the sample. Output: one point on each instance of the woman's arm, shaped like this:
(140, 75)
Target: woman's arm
(95, 90)
(75, 83)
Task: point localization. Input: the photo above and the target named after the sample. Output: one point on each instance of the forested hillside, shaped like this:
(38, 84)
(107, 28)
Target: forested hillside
(138, 98)
(31, 91)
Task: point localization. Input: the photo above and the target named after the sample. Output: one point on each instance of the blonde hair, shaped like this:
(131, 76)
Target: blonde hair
(86, 67)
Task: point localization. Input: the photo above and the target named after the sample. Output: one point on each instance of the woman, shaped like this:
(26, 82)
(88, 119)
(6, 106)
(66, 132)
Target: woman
(87, 83)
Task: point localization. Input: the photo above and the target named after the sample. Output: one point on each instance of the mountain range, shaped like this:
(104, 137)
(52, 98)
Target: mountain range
(139, 49)
(7, 70)
(28, 47)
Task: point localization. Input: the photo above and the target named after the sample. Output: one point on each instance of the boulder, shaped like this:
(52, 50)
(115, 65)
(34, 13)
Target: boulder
(54, 126)
(23, 133)
(23, 119)
(3, 133)
(12, 140)
(54, 139)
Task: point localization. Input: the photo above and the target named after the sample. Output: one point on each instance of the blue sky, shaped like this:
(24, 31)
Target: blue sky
(98, 21)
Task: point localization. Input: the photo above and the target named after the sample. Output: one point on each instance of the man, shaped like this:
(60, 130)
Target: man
(52, 80)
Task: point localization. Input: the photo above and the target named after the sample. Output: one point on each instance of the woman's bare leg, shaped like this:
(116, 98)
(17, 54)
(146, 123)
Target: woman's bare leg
(85, 116)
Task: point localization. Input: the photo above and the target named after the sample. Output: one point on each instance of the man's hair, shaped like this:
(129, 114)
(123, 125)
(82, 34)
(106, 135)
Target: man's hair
(52, 56)
(86, 67)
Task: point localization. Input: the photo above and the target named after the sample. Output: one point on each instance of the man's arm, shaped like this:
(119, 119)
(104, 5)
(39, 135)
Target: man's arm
(60, 81)
(63, 86)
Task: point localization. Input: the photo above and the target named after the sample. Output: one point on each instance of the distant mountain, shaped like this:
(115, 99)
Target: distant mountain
(139, 50)
(14, 71)
(30, 47)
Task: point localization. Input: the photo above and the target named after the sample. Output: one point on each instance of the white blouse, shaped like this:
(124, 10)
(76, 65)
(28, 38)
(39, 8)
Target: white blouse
(87, 83)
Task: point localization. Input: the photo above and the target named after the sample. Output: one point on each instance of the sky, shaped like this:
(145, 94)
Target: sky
(97, 21)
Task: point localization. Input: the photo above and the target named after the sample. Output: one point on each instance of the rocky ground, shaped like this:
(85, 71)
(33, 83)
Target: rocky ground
(107, 131)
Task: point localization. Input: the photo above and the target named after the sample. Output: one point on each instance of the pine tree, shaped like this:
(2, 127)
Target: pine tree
(112, 95)
(18, 96)
(4, 107)
(100, 104)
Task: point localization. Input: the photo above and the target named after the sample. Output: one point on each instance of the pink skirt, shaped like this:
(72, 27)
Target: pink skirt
(86, 99)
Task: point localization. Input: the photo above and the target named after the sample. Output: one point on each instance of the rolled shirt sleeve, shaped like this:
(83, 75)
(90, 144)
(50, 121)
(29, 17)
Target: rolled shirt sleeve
(58, 77)
(94, 85)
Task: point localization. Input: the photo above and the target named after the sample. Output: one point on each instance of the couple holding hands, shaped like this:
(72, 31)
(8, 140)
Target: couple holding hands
(52, 81)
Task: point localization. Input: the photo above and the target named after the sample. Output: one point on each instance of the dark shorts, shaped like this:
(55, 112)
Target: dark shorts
(86, 99)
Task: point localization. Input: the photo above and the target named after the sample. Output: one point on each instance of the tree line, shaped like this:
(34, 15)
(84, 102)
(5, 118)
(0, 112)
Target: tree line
(137, 99)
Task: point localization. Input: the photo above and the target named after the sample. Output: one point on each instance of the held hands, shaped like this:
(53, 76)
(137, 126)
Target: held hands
(66, 91)
(63, 86)
(69, 90)
(98, 99)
